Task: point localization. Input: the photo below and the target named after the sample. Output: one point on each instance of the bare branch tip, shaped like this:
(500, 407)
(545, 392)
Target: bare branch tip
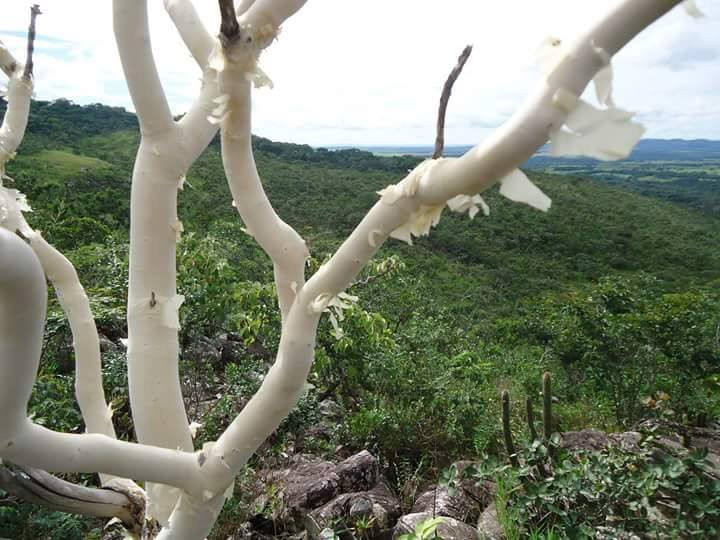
(22, 236)
(34, 12)
(445, 98)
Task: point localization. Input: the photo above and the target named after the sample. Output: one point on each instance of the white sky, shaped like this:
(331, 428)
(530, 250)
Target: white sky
(369, 72)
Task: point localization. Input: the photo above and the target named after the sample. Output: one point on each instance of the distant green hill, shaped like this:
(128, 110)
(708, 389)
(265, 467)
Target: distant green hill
(76, 163)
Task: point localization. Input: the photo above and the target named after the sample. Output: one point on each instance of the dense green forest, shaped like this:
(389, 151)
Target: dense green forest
(614, 292)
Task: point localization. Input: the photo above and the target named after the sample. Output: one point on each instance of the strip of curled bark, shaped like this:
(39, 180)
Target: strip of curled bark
(41, 488)
(34, 12)
(229, 27)
(445, 97)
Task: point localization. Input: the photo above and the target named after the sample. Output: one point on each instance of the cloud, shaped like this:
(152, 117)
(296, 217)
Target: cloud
(370, 72)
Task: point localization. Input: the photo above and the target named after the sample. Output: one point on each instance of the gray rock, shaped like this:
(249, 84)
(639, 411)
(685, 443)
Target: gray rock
(587, 439)
(457, 506)
(329, 409)
(488, 525)
(360, 508)
(106, 345)
(449, 529)
(204, 349)
(628, 440)
(358, 472)
(306, 485)
(467, 501)
(230, 350)
(482, 493)
(378, 508)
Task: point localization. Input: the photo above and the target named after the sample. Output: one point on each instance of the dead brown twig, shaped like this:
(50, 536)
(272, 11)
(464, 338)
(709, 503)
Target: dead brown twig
(34, 12)
(445, 98)
(229, 27)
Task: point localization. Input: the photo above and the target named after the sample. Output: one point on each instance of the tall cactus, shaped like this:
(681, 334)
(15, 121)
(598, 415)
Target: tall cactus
(530, 419)
(547, 413)
(547, 406)
(507, 434)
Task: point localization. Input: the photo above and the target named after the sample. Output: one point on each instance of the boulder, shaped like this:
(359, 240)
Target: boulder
(457, 506)
(587, 439)
(204, 349)
(377, 509)
(449, 529)
(329, 409)
(106, 345)
(358, 472)
(482, 493)
(465, 504)
(627, 440)
(231, 348)
(305, 485)
(488, 525)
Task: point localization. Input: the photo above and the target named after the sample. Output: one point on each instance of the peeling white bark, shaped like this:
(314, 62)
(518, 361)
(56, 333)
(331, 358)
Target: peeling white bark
(16, 118)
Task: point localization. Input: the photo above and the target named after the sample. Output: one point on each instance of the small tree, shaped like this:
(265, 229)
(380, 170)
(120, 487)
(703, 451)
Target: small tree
(186, 488)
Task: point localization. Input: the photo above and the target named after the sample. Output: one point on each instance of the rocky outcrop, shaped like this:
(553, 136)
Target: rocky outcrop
(291, 494)
(671, 438)
(449, 529)
(465, 504)
(310, 498)
(373, 512)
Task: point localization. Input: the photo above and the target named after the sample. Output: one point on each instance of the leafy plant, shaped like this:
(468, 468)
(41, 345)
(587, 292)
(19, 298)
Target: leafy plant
(424, 530)
(612, 493)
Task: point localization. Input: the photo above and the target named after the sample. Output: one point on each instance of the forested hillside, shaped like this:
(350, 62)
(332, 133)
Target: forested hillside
(615, 293)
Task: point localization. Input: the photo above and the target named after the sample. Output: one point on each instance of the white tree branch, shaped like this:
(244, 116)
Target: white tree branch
(22, 314)
(133, 40)
(197, 131)
(88, 367)
(14, 124)
(193, 518)
(530, 127)
(281, 242)
(192, 30)
(8, 64)
(260, 13)
(243, 6)
(153, 352)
